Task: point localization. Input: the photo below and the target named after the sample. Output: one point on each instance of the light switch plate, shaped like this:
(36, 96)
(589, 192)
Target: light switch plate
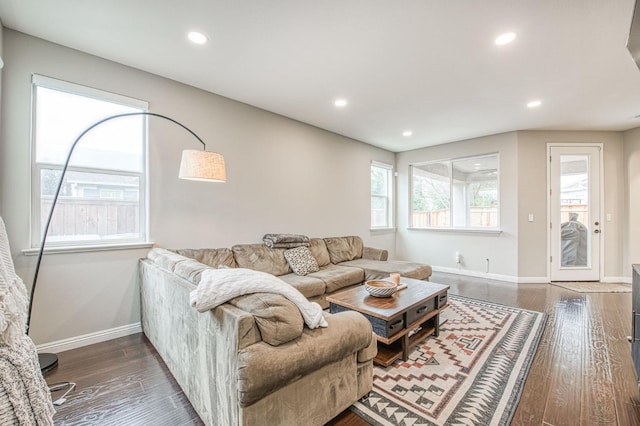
(530, 217)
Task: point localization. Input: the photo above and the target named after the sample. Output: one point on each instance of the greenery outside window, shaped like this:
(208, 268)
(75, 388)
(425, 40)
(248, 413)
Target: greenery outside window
(381, 195)
(460, 193)
(103, 198)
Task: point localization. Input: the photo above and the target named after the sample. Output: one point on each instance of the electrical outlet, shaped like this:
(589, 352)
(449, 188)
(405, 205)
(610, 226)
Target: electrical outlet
(458, 258)
(530, 217)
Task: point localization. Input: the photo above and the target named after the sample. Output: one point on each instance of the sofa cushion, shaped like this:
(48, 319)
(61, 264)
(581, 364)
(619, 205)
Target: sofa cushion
(319, 250)
(278, 319)
(336, 277)
(377, 269)
(310, 287)
(342, 249)
(165, 259)
(348, 332)
(301, 261)
(261, 258)
(191, 270)
(209, 256)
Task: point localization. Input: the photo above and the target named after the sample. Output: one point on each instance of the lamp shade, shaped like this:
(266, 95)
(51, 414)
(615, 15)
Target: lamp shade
(202, 165)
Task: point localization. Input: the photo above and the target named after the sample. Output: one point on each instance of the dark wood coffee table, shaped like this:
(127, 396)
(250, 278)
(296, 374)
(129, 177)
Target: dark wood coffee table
(400, 321)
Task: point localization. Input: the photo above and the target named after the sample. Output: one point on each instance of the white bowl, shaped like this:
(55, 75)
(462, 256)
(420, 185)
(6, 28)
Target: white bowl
(380, 288)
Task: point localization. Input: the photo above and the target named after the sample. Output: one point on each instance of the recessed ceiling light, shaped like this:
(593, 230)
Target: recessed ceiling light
(534, 104)
(340, 103)
(197, 37)
(407, 133)
(505, 38)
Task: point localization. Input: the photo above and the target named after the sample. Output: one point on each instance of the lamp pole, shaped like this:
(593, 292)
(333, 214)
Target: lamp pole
(50, 361)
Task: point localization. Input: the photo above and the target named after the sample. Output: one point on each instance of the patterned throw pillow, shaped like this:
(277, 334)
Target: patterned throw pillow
(301, 260)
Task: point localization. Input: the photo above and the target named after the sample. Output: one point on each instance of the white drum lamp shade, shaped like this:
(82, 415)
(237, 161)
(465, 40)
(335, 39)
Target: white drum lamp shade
(203, 166)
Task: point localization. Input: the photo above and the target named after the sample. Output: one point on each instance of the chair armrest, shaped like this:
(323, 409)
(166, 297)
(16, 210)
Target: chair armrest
(375, 254)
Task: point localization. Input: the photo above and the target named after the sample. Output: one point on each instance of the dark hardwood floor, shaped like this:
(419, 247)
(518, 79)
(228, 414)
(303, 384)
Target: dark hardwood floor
(582, 373)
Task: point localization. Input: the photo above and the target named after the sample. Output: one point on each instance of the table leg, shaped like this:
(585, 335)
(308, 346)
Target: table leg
(405, 347)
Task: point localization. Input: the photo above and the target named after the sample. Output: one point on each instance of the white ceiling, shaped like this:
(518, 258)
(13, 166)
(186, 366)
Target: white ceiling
(430, 66)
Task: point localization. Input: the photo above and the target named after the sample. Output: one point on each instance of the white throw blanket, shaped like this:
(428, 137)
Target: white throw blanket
(218, 286)
(13, 296)
(24, 394)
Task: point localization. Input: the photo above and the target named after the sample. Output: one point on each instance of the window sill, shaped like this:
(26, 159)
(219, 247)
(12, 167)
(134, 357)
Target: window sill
(460, 230)
(382, 229)
(88, 248)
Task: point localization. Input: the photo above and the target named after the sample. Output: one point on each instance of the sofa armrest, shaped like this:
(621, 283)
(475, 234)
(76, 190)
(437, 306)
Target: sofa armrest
(348, 333)
(370, 352)
(371, 253)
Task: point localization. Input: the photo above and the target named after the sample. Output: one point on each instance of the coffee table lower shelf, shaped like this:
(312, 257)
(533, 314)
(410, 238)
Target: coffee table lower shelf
(388, 354)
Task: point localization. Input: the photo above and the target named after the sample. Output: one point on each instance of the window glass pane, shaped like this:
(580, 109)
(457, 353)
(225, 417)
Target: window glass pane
(459, 193)
(430, 205)
(61, 117)
(574, 210)
(379, 180)
(381, 193)
(91, 206)
(475, 192)
(378, 211)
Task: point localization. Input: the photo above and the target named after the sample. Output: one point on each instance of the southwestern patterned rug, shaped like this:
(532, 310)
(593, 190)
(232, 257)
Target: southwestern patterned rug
(472, 374)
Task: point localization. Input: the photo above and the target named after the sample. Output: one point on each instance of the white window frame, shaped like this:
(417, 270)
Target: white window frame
(388, 168)
(36, 168)
(451, 227)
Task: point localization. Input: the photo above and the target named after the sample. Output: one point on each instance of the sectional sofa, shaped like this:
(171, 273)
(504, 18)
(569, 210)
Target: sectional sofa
(252, 360)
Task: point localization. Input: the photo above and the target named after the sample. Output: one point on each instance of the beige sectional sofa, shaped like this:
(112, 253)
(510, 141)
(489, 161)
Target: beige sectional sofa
(252, 360)
(343, 261)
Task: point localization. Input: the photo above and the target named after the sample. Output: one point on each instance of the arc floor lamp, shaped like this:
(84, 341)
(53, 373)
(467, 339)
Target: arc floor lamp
(201, 165)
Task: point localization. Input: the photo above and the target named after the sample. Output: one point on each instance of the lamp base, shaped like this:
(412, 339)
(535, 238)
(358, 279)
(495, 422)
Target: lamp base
(47, 362)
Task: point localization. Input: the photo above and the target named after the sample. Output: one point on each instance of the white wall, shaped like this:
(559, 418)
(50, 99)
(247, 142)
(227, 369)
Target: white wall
(283, 176)
(438, 247)
(532, 175)
(520, 252)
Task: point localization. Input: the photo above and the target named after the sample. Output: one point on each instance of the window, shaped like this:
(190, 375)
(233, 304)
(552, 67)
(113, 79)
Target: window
(459, 193)
(103, 197)
(381, 195)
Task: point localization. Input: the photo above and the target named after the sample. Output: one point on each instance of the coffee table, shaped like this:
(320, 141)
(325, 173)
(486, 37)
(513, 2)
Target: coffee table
(400, 321)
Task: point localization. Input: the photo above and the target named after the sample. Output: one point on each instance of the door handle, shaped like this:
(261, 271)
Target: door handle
(596, 231)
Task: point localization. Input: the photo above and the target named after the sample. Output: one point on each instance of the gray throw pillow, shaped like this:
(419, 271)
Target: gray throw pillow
(301, 260)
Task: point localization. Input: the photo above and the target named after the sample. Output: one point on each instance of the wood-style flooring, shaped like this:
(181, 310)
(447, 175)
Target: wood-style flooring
(582, 373)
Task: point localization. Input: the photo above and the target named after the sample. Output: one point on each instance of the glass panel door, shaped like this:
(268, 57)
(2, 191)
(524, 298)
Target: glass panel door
(575, 208)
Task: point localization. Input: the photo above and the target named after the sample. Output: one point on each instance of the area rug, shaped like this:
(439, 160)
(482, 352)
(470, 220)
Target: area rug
(594, 287)
(472, 374)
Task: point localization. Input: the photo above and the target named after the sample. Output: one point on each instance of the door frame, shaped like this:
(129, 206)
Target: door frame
(600, 196)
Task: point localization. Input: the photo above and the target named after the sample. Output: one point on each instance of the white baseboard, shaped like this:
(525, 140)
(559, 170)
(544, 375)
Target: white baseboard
(89, 339)
(519, 280)
(626, 280)
(476, 274)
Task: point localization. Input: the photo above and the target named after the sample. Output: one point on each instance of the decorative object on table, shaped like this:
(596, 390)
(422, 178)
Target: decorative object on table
(380, 288)
(195, 165)
(285, 240)
(24, 395)
(473, 373)
(395, 277)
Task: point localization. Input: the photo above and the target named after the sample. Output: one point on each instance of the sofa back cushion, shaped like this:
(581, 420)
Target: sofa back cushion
(319, 250)
(343, 249)
(261, 258)
(210, 256)
(278, 319)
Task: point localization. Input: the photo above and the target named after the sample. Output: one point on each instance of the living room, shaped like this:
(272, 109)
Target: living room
(287, 176)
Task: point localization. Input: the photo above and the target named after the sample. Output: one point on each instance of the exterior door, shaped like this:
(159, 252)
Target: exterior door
(574, 211)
